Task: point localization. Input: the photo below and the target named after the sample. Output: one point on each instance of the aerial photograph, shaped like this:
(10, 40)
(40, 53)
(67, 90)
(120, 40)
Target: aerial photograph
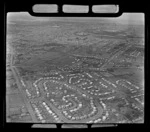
(75, 69)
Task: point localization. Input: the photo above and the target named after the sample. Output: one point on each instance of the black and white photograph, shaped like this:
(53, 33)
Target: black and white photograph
(75, 69)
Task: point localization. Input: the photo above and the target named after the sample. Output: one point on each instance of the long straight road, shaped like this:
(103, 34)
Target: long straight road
(120, 51)
(27, 101)
(20, 89)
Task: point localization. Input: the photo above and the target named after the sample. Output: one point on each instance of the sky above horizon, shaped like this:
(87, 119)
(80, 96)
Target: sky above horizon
(136, 18)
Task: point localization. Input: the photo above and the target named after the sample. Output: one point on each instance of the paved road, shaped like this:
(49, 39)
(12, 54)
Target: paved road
(120, 51)
(20, 88)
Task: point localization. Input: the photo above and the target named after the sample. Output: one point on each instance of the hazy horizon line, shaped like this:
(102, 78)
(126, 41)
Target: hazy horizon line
(136, 18)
